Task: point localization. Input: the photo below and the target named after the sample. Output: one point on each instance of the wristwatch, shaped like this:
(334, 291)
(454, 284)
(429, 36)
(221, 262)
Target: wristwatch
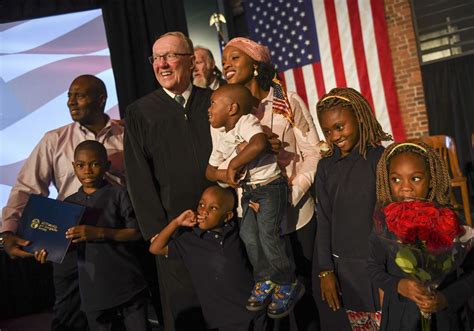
(3, 235)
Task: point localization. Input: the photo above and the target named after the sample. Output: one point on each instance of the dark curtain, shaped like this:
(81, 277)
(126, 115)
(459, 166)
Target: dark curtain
(449, 96)
(131, 28)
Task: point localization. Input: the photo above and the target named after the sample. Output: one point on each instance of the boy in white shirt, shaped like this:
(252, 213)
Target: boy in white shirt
(241, 157)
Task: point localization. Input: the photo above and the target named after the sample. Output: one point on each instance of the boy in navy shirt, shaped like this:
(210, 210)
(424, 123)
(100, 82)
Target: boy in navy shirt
(112, 287)
(209, 244)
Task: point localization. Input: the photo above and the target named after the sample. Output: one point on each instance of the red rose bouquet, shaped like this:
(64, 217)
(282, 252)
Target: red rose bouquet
(426, 240)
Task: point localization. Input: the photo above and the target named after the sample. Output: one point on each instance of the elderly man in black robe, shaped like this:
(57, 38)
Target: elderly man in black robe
(167, 147)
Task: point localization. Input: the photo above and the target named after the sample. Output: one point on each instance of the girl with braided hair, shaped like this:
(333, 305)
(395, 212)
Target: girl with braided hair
(345, 189)
(415, 171)
(436, 174)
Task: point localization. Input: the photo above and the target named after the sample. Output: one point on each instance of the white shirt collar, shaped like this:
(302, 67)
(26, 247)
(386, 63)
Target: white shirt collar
(186, 94)
(215, 84)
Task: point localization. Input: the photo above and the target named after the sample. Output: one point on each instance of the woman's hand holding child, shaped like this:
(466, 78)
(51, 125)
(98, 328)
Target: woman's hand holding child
(232, 176)
(274, 142)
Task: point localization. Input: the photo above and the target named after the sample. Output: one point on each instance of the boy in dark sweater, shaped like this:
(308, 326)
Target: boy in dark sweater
(209, 244)
(112, 287)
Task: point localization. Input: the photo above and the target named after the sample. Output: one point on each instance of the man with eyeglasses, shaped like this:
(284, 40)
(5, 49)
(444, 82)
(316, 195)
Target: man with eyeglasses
(167, 147)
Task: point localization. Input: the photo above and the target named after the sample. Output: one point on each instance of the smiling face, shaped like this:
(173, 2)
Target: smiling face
(237, 66)
(90, 168)
(214, 208)
(202, 74)
(174, 75)
(409, 176)
(341, 128)
(85, 101)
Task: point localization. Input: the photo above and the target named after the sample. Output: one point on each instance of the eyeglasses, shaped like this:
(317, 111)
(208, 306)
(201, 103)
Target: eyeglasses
(167, 57)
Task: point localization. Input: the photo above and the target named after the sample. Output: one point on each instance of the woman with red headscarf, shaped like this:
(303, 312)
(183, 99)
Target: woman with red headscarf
(288, 124)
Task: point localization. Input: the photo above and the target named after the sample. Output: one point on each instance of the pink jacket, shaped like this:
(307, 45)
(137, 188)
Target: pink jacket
(299, 157)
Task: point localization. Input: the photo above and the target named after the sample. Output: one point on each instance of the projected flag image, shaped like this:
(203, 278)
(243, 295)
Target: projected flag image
(39, 59)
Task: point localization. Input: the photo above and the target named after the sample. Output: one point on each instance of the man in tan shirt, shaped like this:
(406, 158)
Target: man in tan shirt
(51, 163)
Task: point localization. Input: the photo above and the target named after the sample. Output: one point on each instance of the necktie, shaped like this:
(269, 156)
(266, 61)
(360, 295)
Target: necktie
(179, 99)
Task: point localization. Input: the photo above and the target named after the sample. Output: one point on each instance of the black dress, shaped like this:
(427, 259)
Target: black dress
(345, 191)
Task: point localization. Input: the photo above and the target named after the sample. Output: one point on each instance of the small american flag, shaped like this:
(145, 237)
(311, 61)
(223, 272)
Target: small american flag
(321, 44)
(281, 104)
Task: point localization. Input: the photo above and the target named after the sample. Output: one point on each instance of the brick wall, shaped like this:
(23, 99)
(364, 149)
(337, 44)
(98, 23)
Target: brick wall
(406, 67)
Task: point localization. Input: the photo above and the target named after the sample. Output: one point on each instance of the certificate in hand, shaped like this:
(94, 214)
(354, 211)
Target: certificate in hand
(44, 223)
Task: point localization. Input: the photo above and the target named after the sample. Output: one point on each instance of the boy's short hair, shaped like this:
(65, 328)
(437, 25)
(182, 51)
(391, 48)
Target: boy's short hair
(92, 145)
(228, 196)
(240, 95)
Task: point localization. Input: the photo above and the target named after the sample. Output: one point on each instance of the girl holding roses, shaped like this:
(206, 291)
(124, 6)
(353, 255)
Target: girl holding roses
(406, 172)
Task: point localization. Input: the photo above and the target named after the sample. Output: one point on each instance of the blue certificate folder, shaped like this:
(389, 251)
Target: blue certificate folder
(45, 221)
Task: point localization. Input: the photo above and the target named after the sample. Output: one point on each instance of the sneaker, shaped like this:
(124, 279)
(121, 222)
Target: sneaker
(284, 299)
(261, 296)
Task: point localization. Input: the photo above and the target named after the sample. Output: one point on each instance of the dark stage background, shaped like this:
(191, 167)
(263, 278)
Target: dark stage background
(131, 28)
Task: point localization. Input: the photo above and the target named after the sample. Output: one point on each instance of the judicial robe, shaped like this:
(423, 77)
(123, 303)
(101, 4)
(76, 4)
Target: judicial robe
(167, 149)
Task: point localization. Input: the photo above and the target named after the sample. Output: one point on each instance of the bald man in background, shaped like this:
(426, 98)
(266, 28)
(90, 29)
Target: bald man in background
(205, 73)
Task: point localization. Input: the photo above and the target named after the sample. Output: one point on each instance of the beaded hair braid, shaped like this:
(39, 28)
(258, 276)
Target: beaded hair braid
(440, 187)
(370, 131)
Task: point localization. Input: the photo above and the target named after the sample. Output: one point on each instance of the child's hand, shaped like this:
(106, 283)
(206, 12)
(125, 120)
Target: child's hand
(187, 218)
(413, 290)
(41, 256)
(84, 233)
(255, 206)
(330, 291)
(436, 302)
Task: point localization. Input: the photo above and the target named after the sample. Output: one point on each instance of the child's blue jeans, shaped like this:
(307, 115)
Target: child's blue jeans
(269, 253)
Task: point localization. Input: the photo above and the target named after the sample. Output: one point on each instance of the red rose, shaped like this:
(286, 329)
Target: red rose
(412, 220)
(392, 211)
(402, 224)
(437, 243)
(406, 230)
(431, 211)
(447, 224)
(425, 225)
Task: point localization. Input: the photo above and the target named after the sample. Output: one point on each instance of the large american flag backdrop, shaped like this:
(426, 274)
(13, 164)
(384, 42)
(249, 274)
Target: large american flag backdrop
(321, 44)
(38, 60)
